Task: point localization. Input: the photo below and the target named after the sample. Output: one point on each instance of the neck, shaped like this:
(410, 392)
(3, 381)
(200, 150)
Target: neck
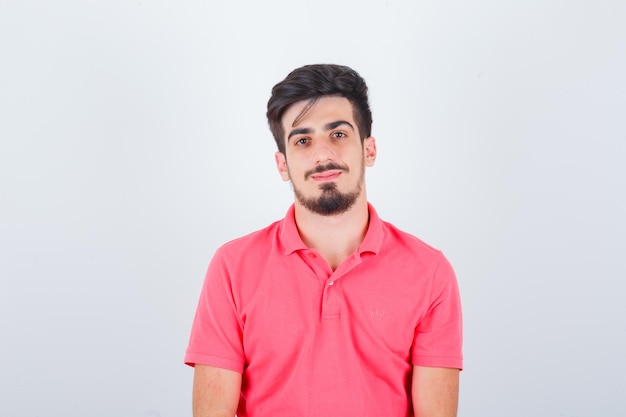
(335, 237)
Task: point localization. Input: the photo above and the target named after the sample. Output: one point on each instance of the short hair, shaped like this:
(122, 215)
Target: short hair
(312, 82)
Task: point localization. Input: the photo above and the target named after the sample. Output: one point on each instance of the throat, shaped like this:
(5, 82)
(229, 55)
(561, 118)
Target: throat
(335, 239)
(335, 259)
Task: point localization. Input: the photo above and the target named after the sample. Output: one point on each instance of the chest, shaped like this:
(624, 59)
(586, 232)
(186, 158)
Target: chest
(300, 305)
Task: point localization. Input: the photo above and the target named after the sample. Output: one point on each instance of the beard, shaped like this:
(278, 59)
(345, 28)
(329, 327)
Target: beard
(331, 201)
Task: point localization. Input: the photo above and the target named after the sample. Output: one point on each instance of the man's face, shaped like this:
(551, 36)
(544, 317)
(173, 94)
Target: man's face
(324, 157)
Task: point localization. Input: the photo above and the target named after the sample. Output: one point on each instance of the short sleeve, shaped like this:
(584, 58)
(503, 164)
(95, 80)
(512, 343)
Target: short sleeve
(438, 336)
(216, 333)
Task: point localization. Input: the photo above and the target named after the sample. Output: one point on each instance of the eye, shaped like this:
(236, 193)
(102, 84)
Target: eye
(301, 141)
(339, 135)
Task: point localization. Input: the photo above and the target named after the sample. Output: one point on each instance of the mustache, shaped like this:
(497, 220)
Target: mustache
(326, 167)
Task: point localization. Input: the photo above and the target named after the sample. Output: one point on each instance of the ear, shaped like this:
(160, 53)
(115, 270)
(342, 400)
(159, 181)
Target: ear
(369, 151)
(281, 165)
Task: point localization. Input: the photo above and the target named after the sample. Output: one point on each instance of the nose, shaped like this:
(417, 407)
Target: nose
(322, 152)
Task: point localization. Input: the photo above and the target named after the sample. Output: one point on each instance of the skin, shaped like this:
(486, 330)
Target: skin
(215, 392)
(327, 133)
(435, 391)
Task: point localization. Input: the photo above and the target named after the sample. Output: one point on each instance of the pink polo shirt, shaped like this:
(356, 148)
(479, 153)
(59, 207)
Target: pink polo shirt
(315, 342)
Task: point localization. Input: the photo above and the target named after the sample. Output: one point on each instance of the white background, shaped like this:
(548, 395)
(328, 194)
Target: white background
(133, 142)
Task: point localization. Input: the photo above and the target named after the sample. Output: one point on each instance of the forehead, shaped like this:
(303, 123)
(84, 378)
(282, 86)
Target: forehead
(323, 110)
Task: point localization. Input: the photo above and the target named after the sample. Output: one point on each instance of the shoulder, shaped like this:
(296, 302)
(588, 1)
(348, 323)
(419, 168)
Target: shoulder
(241, 264)
(407, 252)
(259, 240)
(421, 262)
(238, 260)
(399, 240)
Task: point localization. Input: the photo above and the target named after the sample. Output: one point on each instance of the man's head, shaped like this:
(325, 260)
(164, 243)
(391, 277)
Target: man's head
(321, 121)
(310, 83)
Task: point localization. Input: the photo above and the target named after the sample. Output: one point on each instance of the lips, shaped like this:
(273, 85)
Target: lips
(326, 175)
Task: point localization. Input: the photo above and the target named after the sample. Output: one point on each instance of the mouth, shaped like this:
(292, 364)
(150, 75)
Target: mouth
(325, 176)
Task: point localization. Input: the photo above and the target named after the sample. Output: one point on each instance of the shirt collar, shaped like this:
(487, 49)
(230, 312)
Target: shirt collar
(291, 240)
(289, 235)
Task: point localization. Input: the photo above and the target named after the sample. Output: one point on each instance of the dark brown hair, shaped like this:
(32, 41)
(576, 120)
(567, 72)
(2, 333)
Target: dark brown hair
(312, 82)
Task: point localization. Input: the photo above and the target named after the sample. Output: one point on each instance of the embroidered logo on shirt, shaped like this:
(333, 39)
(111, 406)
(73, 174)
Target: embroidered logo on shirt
(377, 314)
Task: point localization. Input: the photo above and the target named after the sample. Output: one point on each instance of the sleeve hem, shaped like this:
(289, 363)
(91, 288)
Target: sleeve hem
(439, 361)
(192, 359)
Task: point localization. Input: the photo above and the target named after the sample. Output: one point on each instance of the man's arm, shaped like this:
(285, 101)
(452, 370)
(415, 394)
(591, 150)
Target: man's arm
(435, 391)
(215, 391)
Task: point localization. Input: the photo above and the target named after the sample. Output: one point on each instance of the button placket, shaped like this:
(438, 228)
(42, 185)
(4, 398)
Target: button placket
(316, 263)
(331, 303)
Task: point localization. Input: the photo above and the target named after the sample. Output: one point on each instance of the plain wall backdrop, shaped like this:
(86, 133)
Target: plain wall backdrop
(133, 142)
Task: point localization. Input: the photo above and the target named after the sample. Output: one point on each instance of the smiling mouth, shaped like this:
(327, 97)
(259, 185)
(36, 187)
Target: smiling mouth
(326, 176)
(324, 173)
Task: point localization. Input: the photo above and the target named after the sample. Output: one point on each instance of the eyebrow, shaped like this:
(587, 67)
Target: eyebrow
(335, 125)
(327, 127)
(304, 131)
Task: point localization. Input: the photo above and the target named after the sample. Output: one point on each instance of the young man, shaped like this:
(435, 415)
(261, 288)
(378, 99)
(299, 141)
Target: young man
(330, 311)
